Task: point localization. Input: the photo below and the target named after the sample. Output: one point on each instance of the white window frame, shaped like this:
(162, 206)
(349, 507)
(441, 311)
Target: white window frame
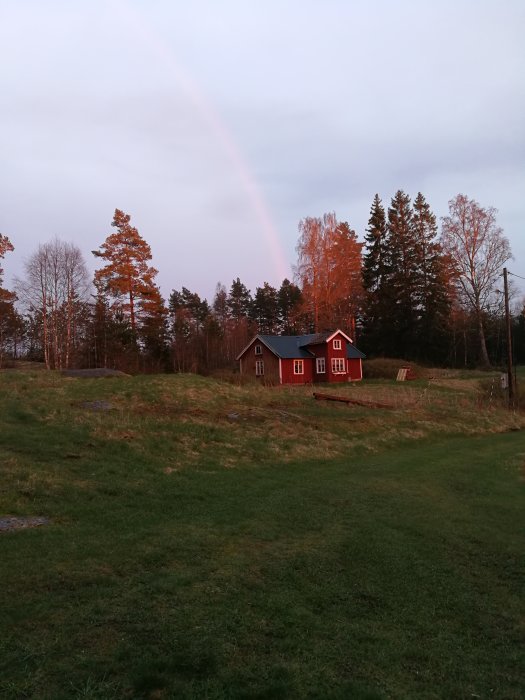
(258, 350)
(298, 365)
(337, 364)
(259, 368)
(337, 344)
(320, 365)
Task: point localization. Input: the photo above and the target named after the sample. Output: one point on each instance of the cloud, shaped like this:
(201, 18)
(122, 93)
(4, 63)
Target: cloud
(214, 123)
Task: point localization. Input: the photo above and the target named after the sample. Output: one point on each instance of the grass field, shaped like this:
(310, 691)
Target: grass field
(214, 541)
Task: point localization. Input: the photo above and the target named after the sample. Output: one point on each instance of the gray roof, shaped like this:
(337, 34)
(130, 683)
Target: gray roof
(314, 338)
(287, 346)
(353, 353)
(296, 346)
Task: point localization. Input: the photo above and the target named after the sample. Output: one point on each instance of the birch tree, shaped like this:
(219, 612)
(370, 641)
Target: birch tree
(54, 290)
(329, 271)
(478, 250)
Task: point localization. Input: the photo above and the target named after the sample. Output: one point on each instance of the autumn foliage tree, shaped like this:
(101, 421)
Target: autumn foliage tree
(329, 271)
(9, 319)
(126, 278)
(5, 247)
(126, 288)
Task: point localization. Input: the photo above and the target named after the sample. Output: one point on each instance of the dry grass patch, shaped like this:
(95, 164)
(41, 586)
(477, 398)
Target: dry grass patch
(465, 385)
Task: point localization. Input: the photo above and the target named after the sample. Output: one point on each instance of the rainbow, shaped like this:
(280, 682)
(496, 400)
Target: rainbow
(218, 128)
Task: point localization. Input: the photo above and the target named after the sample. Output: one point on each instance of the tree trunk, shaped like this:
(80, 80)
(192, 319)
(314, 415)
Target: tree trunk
(483, 354)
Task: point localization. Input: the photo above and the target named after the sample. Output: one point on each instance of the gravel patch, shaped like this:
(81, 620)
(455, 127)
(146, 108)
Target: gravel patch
(20, 523)
(99, 405)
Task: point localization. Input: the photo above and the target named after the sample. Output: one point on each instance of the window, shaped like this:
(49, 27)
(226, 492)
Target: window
(337, 344)
(298, 366)
(338, 365)
(259, 368)
(258, 349)
(320, 365)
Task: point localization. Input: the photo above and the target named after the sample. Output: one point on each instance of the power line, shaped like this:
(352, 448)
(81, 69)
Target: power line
(514, 275)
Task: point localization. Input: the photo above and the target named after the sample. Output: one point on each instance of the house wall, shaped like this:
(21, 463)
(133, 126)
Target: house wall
(288, 374)
(332, 353)
(271, 363)
(319, 350)
(355, 369)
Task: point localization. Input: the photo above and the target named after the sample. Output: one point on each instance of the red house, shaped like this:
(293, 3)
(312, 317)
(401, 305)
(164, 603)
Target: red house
(300, 359)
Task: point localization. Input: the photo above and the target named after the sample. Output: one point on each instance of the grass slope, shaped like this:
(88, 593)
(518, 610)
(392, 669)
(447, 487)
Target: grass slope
(211, 541)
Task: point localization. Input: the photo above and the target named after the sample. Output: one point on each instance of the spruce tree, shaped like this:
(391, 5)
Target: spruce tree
(404, 276)
(376, 278)
(433, 284)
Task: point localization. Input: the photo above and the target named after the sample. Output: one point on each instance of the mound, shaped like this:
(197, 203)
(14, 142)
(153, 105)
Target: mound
(96, 372)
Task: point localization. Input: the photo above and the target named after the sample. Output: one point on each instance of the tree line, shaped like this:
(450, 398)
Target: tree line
(408, 291)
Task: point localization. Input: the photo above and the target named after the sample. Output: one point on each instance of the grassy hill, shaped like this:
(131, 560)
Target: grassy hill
(207, 540)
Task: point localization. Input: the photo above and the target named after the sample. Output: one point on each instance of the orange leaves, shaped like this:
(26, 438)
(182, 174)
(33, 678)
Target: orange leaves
(5, 247)
(329, 270)
(126, 277)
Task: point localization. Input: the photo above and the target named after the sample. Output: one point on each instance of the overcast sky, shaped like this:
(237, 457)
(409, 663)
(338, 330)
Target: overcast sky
(218, 125)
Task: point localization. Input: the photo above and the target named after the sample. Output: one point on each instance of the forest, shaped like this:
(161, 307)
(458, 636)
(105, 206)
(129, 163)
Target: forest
(410, 290)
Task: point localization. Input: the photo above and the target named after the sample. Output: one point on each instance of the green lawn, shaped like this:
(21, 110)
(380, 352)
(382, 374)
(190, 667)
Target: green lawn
(210, 541)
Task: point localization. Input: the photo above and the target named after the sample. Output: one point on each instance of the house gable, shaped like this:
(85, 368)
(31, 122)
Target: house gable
(259, 360)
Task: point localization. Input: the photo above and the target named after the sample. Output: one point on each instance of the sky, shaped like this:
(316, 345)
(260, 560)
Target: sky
(218, 126)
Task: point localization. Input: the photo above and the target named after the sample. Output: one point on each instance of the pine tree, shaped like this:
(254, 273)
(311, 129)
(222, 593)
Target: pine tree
(190, 330)
(6, 297)
(265, 309)
(127, 277)
(12, 330)
(5, 247)
(239, 300)
(11, 323)
(154, 328)
(289, 300)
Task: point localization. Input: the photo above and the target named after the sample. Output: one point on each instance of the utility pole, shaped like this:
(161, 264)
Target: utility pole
(510, 376)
